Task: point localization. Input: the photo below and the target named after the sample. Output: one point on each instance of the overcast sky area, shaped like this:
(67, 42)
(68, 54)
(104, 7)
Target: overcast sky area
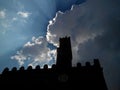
(30, 32)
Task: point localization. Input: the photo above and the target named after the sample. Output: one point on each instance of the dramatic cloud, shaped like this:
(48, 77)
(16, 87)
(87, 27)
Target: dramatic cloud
(35, 52)
(82, 27)
(94, 30)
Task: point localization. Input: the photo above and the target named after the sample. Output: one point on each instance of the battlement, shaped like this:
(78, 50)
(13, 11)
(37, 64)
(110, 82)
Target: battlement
(64, 41)
(60, 76)
(96, 66)
(79, 66)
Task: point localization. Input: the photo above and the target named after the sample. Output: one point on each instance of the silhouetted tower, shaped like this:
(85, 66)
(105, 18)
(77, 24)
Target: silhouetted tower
(64, 53)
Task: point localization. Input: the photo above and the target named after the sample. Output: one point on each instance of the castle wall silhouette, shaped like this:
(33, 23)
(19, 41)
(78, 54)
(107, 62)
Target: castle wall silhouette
(60, 76)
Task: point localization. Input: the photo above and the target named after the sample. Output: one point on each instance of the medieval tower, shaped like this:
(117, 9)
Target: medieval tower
(64, 53)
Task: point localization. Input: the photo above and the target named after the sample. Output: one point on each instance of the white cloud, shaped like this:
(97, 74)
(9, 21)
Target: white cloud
(2, 14)
(36, 52)
(20, 57)
(23, 14)
(29, 44)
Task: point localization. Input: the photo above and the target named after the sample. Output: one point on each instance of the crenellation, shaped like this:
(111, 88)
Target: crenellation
(5, 70)
(29, 68)
(87, 64)
(14, 69)
(22, 68)
(61, 75)
(54, 66)
(45, 67)
(37, 67)
(79, 65)
(96, 63)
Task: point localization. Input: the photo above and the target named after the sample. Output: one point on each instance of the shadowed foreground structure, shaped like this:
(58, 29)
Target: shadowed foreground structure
(61, 76)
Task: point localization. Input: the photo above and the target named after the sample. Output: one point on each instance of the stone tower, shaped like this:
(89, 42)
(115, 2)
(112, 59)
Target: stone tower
(64, 53)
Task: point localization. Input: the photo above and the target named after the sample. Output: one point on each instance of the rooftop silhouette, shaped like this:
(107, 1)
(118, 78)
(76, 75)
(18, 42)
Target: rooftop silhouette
(60, 76)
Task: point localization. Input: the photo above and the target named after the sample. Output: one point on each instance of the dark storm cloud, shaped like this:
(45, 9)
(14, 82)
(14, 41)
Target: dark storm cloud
(106, 47)
(94, 29)
(64, 5)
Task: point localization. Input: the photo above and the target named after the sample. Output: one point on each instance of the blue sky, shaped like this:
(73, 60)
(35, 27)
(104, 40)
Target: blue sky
(30, 31)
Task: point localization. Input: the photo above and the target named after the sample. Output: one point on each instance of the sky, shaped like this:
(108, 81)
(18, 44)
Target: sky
(30, 32)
